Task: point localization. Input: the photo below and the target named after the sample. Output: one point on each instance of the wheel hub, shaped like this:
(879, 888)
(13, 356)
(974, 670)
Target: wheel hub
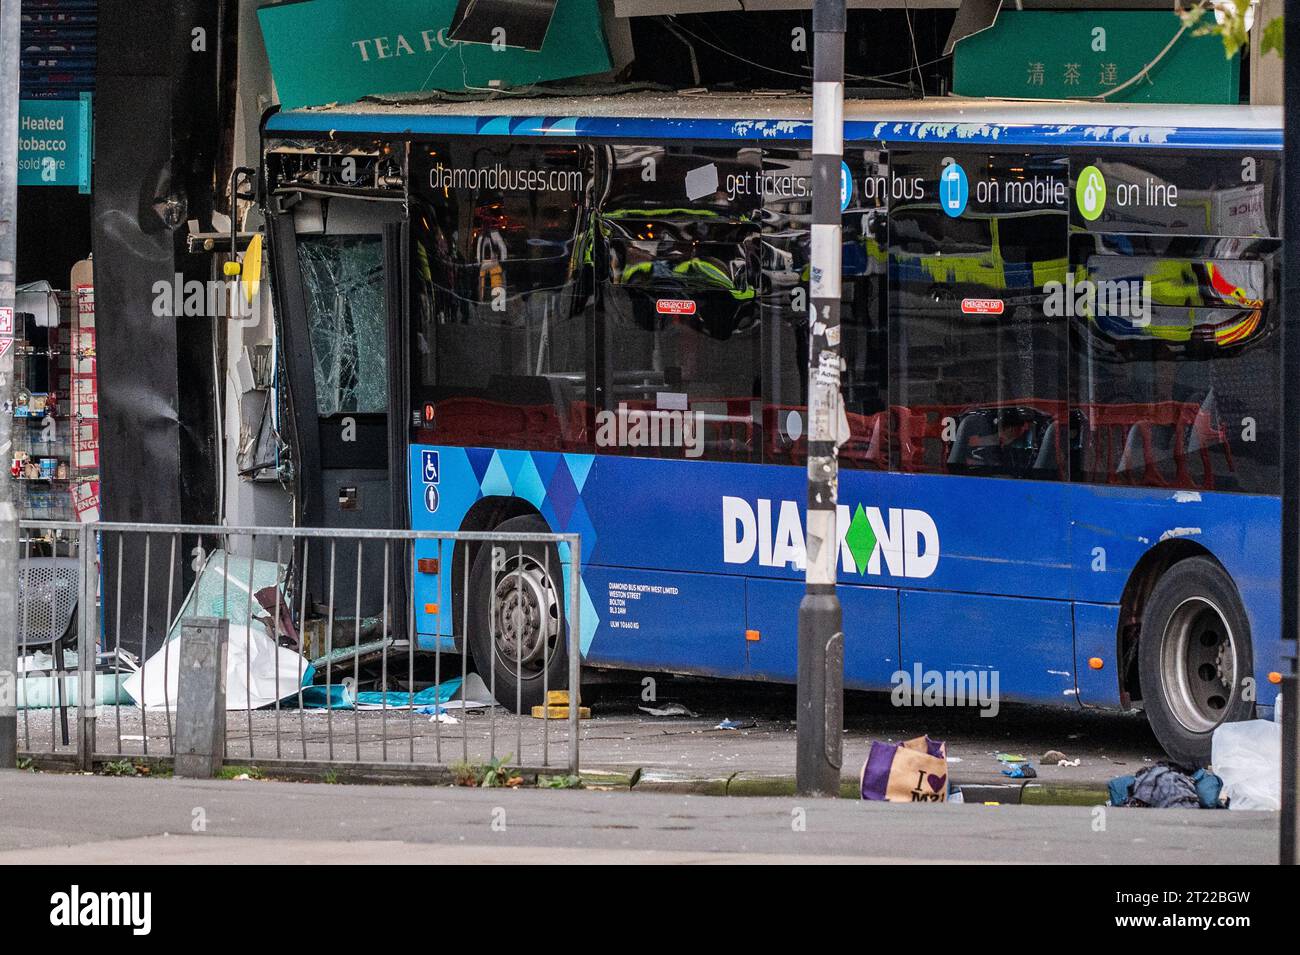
(525, 614)
(1198, 662)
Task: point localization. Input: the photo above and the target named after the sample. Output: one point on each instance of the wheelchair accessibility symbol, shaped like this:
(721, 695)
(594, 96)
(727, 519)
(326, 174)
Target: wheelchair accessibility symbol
(431, 498)
(429, 465)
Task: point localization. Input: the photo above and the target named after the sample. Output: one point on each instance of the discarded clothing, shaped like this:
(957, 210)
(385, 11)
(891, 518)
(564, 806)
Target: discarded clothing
(1165, 786)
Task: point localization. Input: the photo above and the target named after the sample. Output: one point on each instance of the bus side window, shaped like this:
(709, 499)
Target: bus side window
(787, 221)
(1175, 366)
(679, 352)
(979, 377)
(502, 252)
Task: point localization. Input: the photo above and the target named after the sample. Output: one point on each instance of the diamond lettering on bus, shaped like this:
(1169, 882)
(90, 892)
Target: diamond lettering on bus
(891, 542)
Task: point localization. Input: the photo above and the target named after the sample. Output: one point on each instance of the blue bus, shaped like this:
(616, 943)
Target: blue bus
(1060, 454)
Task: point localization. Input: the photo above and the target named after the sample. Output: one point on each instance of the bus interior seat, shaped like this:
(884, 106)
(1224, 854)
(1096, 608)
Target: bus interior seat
(544, 396)
(1049, 458)
(970, 431)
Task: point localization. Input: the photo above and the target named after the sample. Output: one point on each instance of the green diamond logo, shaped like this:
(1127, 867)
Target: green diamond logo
(861, 539)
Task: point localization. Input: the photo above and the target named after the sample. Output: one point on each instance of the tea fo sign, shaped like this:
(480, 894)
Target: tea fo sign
(327, 51)
(54, 142)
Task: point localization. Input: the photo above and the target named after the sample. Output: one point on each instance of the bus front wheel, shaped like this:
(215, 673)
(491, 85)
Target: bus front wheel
(1194, 658)
(517, 629)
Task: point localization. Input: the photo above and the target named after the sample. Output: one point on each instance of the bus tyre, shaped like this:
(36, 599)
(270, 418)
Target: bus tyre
(517, 616)
(1194, 658)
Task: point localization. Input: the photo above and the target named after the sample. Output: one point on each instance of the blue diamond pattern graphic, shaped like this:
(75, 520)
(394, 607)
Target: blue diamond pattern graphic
(545, 465)
(579, 468)
(495, 481)
(513, 461)
(528, 483)
(590, 620)
(479, 459)
(580, 524)
(562, 495)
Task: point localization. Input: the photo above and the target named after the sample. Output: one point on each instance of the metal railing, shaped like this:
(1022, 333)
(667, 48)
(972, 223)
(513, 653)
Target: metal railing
(330, 662)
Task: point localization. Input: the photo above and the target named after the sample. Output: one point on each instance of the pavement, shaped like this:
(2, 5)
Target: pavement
(677, 753)
(60, 818)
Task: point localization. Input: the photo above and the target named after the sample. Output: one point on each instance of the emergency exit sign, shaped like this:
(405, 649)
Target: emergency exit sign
(54, 142)
(1066, 54)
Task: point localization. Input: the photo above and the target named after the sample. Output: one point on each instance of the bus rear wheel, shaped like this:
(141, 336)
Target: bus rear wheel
(517, 626)
(1194, 658)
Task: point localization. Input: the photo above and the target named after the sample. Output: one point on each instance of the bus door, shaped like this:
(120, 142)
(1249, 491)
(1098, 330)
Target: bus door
(979, 413)
(340, 265)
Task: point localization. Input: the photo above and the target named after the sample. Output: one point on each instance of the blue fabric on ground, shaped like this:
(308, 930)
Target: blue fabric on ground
(337, 697)
(1208, 787)
(429, 696)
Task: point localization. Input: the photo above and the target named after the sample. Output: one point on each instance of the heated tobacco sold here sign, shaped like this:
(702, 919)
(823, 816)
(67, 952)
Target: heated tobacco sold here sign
(54, 142)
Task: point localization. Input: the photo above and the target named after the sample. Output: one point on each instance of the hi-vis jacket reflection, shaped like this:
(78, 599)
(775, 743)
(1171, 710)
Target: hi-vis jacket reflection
(898, 542)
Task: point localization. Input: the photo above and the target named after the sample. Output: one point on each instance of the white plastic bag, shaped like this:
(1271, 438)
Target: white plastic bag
(257, 672)
(1247, 756)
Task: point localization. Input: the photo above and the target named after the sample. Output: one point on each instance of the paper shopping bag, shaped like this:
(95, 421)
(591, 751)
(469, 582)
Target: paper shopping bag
(913, 771)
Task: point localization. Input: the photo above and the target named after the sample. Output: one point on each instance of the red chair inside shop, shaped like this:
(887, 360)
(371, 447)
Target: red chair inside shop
(919, 429)
(1205, 434)
(478, 422)
(1122, 443)
(580, 432)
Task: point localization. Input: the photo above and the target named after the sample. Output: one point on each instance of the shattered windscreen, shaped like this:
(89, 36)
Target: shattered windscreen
(344, 281)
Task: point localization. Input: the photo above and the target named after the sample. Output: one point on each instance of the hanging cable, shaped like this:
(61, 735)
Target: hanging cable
(1143, 73)
(916, 57)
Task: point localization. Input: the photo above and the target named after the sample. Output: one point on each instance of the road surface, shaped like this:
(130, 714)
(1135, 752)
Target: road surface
(47, 817)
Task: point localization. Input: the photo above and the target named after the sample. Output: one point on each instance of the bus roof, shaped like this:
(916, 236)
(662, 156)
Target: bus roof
(787, 116)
